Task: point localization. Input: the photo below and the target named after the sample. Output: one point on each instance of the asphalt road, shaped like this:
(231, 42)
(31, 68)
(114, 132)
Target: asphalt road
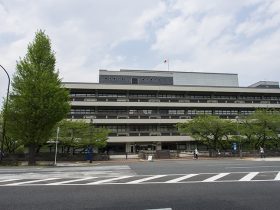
(204, 166)
(260, 191)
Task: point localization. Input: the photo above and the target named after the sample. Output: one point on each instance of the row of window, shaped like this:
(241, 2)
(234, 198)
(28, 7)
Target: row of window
(154, 111)
(139, 128)
(167, 95)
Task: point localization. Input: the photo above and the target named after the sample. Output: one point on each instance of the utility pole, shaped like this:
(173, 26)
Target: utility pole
(4, 118)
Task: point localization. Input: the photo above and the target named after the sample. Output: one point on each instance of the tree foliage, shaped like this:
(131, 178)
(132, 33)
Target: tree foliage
(10, 145)
(211, 130)
(79, 134)
(37, 101)
(261, 128)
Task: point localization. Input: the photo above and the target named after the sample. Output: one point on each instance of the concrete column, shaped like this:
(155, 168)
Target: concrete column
(127, 147)
(158, 146)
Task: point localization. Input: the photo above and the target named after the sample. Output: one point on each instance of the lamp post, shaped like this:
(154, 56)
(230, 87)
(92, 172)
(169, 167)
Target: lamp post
(55, 154)
(4, 119)
(238, 134)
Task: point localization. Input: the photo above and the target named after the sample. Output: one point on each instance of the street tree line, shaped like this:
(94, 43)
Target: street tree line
(260, 129)
(74, 135)
(38, 103)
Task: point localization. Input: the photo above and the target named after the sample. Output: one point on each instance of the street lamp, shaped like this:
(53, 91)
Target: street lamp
(238, 134)
(4, 119)
(55, 154)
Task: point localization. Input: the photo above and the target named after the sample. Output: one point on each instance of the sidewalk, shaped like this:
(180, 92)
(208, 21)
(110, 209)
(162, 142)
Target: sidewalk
(265, 159)
(133, 160)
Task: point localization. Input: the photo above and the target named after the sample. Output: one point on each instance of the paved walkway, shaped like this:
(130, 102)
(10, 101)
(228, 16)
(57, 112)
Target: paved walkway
(96, 163)
(265, 159)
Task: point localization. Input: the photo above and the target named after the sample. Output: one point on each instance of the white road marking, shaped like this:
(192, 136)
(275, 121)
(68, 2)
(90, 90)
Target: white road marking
(254, 167)
(161, 209)
(277, 176)
(29, 182)
(214, 178)
(8, 180)
(73, 180)
(109, 180)
(181, 178)
(142, 179)
(145, 179)
(249, 176)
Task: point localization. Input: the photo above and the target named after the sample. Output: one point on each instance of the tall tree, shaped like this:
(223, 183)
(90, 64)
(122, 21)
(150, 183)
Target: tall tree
(37, 101)
(211, 130)
(264, 126)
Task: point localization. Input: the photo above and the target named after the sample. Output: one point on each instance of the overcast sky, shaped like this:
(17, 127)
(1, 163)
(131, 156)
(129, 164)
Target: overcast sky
(233, 36)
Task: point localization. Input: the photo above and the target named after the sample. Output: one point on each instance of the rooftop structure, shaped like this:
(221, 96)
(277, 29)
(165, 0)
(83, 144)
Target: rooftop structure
(265, 84)
(144, 77)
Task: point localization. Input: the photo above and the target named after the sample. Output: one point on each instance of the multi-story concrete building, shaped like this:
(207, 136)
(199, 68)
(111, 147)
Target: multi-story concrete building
(142, 108)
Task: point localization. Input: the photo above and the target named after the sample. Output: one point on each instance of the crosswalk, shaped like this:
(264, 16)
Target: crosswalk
(148, 179)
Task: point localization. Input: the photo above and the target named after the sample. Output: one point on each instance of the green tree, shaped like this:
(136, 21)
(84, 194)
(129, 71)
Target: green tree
(1, 128)
(37, 101)
(263, 128)
(10, 145)
(79, 134)
(211, 130)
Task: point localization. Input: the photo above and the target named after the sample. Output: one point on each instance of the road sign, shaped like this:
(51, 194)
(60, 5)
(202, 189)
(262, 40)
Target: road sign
(234, 146)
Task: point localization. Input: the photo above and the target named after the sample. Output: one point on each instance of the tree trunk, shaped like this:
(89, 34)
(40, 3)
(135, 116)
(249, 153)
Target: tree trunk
(31, 155)
(38, 149)
(211, 152)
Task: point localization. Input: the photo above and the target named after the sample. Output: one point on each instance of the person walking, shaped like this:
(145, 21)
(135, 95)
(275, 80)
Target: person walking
(262, 152)
(196, 153)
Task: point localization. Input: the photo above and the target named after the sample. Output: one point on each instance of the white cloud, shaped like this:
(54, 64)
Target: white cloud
(265, 18)
(239, 36)
(214, 38)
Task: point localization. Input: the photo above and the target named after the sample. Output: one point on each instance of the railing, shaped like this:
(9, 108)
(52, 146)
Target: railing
(178, 100)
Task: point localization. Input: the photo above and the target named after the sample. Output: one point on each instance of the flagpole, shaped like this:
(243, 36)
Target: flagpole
(168, 63)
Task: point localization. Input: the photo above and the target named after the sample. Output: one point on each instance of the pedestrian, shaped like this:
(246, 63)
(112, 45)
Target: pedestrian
(196, 153)
(89, 153)
(262, 152)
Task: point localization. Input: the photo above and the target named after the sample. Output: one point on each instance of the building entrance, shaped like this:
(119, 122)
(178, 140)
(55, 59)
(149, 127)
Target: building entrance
(149, 147)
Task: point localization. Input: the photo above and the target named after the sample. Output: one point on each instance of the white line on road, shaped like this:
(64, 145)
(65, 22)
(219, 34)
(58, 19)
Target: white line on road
(109, 180)
(29, 182)
(145, 179)
(277, 176)
(161, 209)
(8, 180)
(214, 178)
(181, 178)
(69, 181)
(249, 176)
(255, 167)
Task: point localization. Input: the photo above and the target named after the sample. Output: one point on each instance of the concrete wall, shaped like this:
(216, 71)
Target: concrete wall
(205, 79)
(141, 80)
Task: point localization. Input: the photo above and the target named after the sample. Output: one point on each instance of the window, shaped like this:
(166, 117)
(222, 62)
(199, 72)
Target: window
(134, 81)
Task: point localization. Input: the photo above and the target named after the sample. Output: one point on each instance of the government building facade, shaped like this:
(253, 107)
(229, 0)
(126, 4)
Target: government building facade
(141, 107)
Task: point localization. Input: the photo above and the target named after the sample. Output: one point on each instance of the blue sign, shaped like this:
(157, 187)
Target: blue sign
(234, 146)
